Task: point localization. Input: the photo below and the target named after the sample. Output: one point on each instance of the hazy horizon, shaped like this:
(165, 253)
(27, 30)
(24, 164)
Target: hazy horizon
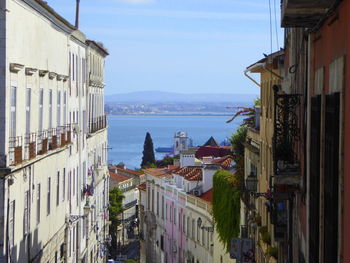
(186, 46)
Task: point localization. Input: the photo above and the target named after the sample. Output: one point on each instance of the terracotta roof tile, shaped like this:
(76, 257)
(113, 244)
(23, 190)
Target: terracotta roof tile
(224, 162)
(191, 173)
(158, 172)
(126, 170)
(214, 151)
(142, 187)
(118, 177)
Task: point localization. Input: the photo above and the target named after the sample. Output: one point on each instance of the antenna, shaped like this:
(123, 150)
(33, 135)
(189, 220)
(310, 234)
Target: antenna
(77, 14)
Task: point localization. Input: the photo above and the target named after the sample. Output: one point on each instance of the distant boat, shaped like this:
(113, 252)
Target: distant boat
(165, 149)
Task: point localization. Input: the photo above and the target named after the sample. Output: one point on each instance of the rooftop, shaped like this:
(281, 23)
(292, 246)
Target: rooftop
(158, 172)
(118, 177)
(214, 151)
(191, 173)
(128, 171)
(224, 162)
(207, 196)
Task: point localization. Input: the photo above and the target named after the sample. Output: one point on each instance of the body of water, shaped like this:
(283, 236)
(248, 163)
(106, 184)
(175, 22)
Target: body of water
(127, 133)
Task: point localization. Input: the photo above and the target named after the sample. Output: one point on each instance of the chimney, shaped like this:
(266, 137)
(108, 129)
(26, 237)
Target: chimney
(77, 14)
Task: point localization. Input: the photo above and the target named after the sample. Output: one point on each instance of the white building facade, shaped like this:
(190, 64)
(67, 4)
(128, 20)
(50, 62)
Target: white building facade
(45, 214)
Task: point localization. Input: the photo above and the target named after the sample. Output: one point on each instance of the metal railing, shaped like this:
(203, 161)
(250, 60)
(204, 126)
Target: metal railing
(15, 150)
(286, 133)
(30, 146)
(130, 204)
(97, 124)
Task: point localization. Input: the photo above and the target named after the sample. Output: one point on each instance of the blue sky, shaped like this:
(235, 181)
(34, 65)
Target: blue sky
(187, 46)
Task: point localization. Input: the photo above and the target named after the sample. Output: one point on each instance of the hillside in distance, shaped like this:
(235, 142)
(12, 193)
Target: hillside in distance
(161, 97)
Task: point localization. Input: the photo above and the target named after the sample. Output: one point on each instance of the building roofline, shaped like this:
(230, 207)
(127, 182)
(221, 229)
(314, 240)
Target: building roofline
(99, 46)
(46, 6)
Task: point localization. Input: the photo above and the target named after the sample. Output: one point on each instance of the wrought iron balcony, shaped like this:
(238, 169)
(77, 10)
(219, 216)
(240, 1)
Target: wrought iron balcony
(42, 142)
(16, 150)
(304, 13)
(130, 204)
(97, 124)
(30, 146)
(286, 135)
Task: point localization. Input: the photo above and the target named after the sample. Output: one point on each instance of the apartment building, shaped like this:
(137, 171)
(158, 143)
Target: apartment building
(176, 220)
(45, 210)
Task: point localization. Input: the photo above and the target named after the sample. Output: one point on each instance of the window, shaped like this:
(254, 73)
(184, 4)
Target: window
(193, 229)
(203, 237)
(41, 110)
(12, 222)
(152, 200)
(188, 227)
(13, 111)
(28, 101)
(69, 192)
(38, 204)
(64, 184)
(73, 67)
(162, 206)
(48, 208)
(157, 203)
(73, 182)
(58, 189)
(50, 108)
(184, 223)
(26, 213)
(64, 107)
(58, 108)
(166, 211)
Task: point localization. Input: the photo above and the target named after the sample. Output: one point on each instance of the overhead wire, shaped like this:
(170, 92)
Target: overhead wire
(274, 7)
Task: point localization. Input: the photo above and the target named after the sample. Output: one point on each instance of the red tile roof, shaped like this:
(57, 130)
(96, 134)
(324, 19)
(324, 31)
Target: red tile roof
(191, 173)
(213, 151)
(142, 187)
(158, 172)
(128, 171)
(118, 177)
(224, 162)
(207, 196)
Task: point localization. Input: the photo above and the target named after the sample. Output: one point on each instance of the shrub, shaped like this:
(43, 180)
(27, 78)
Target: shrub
(272, 252)
(266, 237)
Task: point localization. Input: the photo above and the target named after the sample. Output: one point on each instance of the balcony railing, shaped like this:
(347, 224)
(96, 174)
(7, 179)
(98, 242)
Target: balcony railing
(97, 124)
(286, 135)
(30, 146)
(16, 150)
(42, 142)
(52, 139)
(37, 143)
(130, 204)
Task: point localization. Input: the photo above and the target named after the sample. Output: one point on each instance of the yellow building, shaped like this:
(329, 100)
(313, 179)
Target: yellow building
(259, 160)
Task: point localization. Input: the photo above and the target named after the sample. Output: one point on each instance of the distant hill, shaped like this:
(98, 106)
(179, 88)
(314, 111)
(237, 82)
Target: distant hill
(160, 96)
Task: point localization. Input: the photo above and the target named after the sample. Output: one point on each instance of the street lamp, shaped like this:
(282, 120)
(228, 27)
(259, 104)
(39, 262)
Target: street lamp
(251, 182)
(251, 185)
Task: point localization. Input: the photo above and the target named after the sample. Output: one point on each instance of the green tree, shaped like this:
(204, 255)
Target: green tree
(115, 209)
(148, 157)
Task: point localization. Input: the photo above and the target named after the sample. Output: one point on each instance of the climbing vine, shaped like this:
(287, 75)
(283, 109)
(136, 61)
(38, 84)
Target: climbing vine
(226, 206)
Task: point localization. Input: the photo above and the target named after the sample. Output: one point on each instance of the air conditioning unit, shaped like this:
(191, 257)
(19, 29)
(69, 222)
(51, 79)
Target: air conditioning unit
(197, 191)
